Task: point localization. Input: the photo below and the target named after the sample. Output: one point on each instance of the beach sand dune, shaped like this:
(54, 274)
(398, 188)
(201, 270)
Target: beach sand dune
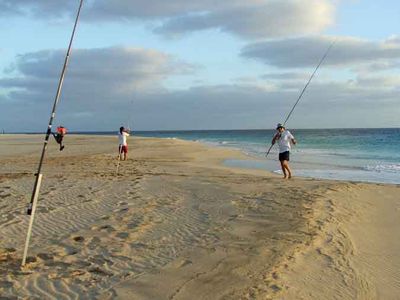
(176, 224)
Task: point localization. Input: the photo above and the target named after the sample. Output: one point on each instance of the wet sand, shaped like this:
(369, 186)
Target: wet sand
(177, 224)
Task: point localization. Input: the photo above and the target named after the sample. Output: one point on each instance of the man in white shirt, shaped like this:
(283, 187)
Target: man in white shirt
(284, 138)
(123, 145)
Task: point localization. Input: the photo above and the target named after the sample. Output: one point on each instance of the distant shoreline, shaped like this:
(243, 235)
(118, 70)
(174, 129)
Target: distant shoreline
(107, 132)
(322, 165)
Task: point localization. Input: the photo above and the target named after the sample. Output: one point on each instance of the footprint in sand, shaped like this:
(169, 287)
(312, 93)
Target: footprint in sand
(121, 210)
(3, 196)
(93, 243)
(233, 217)
(99, 271)
(78, 239)
(122, 258)
(108, 228)
(82, 264)
(10, 218)
(138, 245)
(122, 235)
(84, 199)
(45, 256)
(57, 264)
(100, 260)
(134, 224)
(44, 210)
(31, 259)
(76, 273)
(185, 263)
(5, 285)
(6, 254)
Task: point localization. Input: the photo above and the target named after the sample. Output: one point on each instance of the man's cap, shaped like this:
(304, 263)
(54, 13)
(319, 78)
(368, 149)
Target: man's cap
(279, 126)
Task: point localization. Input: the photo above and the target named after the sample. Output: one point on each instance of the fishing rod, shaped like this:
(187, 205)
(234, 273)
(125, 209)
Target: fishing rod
(119, 158)
(130, 118)
(304, 89)
(35, 194)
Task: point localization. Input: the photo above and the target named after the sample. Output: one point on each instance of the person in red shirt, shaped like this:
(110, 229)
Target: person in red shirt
(59, 136)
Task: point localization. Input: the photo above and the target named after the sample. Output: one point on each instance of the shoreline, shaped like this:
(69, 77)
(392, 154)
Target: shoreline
(177, 223)
(247, 160)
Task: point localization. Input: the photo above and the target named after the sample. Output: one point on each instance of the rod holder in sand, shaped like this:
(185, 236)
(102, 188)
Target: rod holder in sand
(31, 211)
(119, 159)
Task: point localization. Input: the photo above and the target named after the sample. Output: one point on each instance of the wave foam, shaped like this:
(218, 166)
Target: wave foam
(392, 168)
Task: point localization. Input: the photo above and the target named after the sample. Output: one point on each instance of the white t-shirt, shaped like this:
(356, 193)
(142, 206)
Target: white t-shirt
(284, 141)
(122, 138)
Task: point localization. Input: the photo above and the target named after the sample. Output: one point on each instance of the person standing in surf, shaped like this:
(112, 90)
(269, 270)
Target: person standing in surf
(123, 145)
(284, 138)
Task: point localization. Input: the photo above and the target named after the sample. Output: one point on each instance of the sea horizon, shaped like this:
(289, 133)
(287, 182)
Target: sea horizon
(97, 132)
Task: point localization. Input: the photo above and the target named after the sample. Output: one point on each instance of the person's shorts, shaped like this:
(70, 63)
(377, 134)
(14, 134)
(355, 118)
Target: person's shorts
(123, 149)
(284, 156)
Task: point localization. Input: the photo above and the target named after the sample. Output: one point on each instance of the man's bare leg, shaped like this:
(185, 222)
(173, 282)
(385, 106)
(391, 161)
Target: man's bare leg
(283, 169)
(286, 166)
(119, 153)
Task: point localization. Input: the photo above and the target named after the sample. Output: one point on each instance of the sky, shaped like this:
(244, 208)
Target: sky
(200, 64)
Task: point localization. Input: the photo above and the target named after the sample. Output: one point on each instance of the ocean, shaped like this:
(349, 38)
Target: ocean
(370, 155)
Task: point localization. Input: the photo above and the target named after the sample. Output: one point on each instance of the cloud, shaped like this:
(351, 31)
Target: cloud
(102, 71)
(381, 66)
(247, 19)
(257, 19)
(151, 9)
(105, 10)
(7, 8)
(104, 77)
(394, 39)
(307, 51)
(42, 8)
(355, 103)
(372, 82)
(286, 76)
(325, 104)
(106, 87)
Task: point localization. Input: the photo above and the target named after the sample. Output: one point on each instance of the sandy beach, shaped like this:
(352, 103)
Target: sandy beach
(175, 223)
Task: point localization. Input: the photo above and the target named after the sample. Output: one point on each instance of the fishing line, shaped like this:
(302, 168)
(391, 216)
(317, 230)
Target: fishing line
(304, 89)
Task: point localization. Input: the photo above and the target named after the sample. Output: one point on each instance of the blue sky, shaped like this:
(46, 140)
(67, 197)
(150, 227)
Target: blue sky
(200, 65)
(367, 18)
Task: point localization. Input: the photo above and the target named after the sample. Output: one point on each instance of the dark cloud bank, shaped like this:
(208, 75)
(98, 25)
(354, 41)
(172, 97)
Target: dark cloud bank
(129, 84)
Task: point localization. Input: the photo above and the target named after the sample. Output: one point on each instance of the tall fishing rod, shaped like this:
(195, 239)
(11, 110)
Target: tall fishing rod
(35, 194)
(304, 89)
(119, 158)
(130, 119)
